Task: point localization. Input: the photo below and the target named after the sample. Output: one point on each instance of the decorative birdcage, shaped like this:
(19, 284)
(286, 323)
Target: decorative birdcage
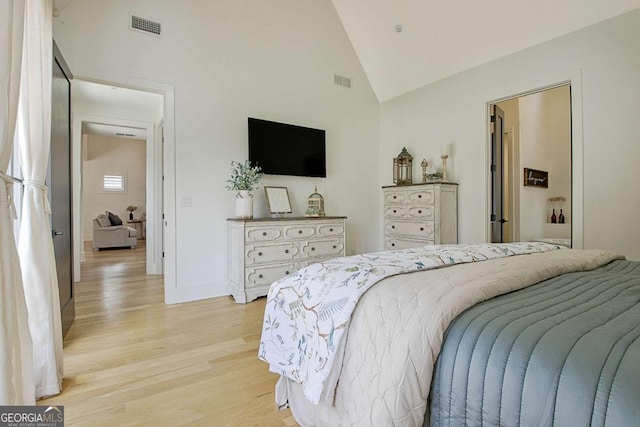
(315, 205)
(402, 166)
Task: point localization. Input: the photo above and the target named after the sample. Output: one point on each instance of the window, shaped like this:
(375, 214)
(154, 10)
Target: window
(113, 183)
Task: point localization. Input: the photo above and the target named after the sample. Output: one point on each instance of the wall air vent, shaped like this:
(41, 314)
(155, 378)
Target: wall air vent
(342, 81)
(145, 25)
(124, 134)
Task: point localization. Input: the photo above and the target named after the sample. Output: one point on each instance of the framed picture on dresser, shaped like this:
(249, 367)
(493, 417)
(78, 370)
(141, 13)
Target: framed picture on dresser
(278, 200)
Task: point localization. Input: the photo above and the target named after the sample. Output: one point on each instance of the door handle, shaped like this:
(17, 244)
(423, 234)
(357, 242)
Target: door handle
(504, 220)
(55, 233)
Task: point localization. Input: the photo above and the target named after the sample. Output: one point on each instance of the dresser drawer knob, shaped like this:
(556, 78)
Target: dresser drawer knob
(286, 272)
(393, 244)
(299, 231)
(421, 228)
(394, 211)
(286, 251)
(259, 276)
(419, 211)
(334, 246)
(259, 253)
(394, 197)
(419, 196)
(313, 249)
(264, 233)
(331, 229)
(393, 226)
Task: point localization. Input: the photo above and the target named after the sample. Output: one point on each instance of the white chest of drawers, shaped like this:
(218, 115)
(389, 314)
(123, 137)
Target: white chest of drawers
(420, 214)
(262, 251)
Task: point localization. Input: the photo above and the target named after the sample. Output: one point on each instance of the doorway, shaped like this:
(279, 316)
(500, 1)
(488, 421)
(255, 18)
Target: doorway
(532, 132)
(114, 170)
(160, 169)
(121, 113)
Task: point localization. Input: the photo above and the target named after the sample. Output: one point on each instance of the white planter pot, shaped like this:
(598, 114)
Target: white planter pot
(244, 204)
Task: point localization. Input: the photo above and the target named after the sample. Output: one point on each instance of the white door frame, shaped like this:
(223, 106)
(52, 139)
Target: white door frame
(573, 78)
(163, 223)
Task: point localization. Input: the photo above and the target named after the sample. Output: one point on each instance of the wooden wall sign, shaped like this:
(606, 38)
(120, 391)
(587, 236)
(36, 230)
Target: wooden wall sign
(536, 178)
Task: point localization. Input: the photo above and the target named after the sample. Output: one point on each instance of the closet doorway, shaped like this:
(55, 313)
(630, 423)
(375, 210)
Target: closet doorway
(532, 133)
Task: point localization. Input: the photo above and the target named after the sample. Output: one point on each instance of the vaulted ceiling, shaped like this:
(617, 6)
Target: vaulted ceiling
(406, 44)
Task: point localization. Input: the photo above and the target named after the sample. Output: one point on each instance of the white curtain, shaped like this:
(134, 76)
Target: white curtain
(35, 244)
(16, 376)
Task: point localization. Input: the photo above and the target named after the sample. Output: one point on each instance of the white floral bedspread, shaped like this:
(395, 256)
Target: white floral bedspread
(308, 312)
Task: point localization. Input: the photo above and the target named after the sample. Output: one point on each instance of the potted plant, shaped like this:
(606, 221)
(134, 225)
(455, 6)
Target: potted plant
(244, 179)
(131, 208)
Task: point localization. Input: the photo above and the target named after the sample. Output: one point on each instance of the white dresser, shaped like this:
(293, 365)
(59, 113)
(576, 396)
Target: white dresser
(420, 214)
(264, 250)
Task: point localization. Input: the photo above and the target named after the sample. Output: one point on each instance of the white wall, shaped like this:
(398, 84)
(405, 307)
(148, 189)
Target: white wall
(545, 144)
(112, 155)
(108, 112)
(454, 110)
(228, 60)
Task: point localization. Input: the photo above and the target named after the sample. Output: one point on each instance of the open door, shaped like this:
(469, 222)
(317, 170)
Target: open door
(60, 185)
(497, 175)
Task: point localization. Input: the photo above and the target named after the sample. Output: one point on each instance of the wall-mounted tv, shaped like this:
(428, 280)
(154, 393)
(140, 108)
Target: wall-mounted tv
(283, 149)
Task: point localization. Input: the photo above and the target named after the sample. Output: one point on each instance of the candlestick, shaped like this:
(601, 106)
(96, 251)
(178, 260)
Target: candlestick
(424, 165)
(444, 167)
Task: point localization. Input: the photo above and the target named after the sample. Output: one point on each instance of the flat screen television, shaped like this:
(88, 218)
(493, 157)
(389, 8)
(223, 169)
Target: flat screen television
(283, 149)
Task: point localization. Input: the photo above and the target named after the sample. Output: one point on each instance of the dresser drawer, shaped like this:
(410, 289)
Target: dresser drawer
(395, 212)
(330, 230)
(421, 196)
(395, 197)
(392, 243)
(262, 234)
(266, 275)
(321, 248)
(421, 212)
(421, 229)
(270, 253)
(299, 231)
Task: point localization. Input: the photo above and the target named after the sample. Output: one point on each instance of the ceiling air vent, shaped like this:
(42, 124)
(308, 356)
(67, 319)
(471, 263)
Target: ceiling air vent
(148, 26)
(342, 81)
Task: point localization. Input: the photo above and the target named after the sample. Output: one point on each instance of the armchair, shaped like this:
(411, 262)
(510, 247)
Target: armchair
(106, 235)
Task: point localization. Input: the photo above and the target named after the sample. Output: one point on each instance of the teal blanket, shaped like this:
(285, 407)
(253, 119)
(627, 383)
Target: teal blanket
(565, 352)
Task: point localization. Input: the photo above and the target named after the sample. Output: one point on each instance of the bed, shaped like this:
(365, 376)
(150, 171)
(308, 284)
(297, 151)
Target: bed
(376, 368)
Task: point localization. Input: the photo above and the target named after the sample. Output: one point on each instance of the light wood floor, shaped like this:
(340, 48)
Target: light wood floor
(131, 360)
